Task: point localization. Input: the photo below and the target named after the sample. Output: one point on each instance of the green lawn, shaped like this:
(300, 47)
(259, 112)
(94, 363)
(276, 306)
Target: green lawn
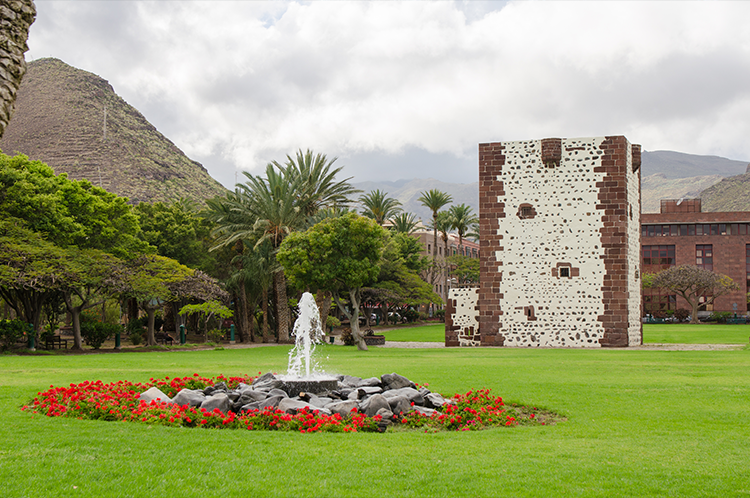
(424, 333)
(704, 333)
(641, 423)
(681, 333)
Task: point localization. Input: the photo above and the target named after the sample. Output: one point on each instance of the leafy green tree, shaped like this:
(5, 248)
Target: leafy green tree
(32, 270)
(379, 207)
(340, 255)
(399, 285)
(464, 269)
(178, 231)
(692, 282)
(92, 277)
(155, 280)
(67, 212)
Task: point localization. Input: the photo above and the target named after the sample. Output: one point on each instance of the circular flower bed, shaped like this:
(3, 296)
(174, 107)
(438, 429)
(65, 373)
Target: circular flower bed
(96, 400)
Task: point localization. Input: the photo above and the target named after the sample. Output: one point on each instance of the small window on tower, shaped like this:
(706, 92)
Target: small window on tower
(564, 271)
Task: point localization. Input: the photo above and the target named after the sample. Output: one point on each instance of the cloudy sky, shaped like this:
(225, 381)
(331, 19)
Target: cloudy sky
(408, 89)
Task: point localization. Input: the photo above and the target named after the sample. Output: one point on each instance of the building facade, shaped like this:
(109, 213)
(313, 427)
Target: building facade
(560, 247)
(680, 234)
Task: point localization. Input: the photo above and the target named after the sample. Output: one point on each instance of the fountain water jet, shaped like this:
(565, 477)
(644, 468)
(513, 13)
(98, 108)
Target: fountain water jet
(303, 370)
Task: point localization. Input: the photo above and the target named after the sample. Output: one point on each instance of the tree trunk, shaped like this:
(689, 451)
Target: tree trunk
(151, 313)
(353, 317)
(282, 307)
(264, 308)
(241, 315)
(323, 300)
(75, 317)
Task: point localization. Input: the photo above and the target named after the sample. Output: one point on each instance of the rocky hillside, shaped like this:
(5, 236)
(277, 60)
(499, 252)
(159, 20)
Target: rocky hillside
(75, 122)
(730, 194)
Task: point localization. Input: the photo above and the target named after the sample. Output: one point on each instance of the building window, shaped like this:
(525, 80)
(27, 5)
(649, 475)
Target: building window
(564, 271)
(657, 258)
(656, 303)
(704, 257)
(529, 312)
(526, 211)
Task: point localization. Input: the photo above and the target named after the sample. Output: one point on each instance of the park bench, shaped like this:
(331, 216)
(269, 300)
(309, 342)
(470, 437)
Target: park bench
(164, 338)
(737, 320)
(55, 341)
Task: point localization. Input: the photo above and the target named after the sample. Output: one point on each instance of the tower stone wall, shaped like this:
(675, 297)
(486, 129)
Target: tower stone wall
(560, 245)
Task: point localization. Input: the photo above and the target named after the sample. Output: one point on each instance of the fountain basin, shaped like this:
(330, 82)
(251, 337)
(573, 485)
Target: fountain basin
(313, 386)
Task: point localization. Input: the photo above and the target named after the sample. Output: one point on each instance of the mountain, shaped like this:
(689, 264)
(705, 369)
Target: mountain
(664, 175)
(730, 194)
(75, 122)
(675, 165)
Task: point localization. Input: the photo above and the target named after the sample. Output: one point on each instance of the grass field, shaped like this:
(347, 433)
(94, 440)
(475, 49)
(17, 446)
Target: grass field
(704, 333)
(680, 333)
(424, 333)
(640, 423)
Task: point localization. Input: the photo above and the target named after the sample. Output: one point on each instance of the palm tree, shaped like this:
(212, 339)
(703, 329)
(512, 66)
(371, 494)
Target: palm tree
(404, 222)
(379, 207)
(267, 209)
(443, 223)
(434, 200)
(317, 181)
(262, 209)
(462, 220)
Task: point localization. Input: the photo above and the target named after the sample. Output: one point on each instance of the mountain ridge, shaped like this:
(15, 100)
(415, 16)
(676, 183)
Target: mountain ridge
(74, 121)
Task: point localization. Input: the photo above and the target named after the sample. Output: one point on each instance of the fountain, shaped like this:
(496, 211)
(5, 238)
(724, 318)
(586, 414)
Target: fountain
(303, 371)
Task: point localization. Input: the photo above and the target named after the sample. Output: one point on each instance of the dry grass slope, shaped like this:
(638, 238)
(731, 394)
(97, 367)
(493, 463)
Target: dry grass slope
(60, 120)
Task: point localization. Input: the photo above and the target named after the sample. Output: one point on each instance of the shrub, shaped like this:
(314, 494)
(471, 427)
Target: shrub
(440, 314)
(11, 331)
(660, 314)
(215, 335)
(332, 321)
(411, 315)
(681, 314)
(347, 337)
(135, 330)
(720, 316)
(94, 333)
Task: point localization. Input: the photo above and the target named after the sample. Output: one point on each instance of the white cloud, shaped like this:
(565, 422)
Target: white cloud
(248, 82)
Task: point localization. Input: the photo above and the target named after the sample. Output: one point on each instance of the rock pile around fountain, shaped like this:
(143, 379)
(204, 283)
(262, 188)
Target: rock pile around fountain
(388, 396)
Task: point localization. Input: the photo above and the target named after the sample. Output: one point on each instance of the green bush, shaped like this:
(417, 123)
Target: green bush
(440, 314)
(135, 330)
(94, 333)
(411, 315)
(215, 335)
(11, 331)
(720, 316)
(347, 337)
(681, 314)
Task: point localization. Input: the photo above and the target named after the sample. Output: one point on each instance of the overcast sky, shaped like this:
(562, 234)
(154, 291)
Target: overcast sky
(408, 89)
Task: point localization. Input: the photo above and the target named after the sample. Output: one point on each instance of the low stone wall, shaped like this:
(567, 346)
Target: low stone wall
(462, 317)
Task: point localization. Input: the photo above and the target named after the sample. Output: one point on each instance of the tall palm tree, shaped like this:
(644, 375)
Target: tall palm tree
(462, 220)
(319, 189)
(267, 209)
(404, 222)
(434, 200)
(378, 206)
(262, 209)
(443, 223)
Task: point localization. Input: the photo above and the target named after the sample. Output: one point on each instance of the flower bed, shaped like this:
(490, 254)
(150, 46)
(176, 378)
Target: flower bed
(118, 401)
